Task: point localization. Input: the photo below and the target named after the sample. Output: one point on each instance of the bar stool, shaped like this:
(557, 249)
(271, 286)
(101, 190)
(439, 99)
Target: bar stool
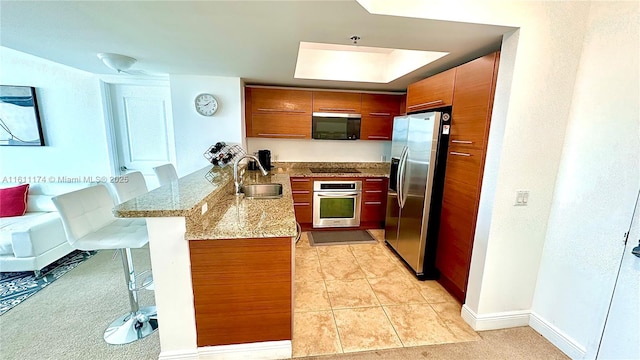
(124, 191)
(134, 186)
(166, 174)
(90, 225)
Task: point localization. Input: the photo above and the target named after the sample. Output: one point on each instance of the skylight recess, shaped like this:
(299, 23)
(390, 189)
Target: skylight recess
(320, 61)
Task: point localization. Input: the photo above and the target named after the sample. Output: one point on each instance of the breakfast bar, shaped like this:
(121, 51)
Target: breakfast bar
(222, 265)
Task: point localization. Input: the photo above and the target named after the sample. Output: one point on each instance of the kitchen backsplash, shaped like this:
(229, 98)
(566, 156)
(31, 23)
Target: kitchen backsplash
(291, 150)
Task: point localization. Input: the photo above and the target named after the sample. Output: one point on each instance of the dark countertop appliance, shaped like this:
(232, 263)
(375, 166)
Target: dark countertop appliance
(265, 158)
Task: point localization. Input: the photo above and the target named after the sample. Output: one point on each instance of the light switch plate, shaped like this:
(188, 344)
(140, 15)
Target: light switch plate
(522, 198)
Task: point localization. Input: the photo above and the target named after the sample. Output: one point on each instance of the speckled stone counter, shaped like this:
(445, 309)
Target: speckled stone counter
(366, 169)
(227, 216)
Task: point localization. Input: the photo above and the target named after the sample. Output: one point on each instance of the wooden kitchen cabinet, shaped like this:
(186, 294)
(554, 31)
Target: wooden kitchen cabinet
(473, 101)
(433, 92)
(470, 120)
(374, 202)
(302, 192)
(239, 284)
(337, 102)
(378, 111)
(278, 113)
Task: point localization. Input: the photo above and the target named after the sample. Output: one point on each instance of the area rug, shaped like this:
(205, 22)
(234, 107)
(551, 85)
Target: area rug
(342, 237)
(16, 287)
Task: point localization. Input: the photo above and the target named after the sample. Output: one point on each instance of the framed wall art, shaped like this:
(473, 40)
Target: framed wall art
(19, 117)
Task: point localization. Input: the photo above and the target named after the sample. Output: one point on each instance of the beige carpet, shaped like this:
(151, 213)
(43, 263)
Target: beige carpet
(66, 321)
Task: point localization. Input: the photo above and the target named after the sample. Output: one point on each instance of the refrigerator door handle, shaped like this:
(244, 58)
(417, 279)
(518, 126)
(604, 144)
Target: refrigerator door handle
(402, 167)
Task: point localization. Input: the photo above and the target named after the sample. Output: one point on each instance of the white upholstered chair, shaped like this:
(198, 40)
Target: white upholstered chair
(89, 224)
(134, 186)
(166, 174)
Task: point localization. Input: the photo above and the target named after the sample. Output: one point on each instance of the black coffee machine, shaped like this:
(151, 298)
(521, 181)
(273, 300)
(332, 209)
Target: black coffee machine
(265, 159)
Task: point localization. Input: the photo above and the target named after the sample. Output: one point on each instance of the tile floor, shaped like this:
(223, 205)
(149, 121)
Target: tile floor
(352, 298)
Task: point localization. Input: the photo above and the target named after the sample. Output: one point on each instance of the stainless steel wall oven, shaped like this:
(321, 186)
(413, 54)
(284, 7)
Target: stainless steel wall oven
(336, 203)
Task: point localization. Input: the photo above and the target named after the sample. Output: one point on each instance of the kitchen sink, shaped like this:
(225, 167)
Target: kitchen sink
(262, 191)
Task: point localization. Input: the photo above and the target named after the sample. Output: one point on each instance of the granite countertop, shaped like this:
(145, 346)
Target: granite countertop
(302, 169)
(230, 216)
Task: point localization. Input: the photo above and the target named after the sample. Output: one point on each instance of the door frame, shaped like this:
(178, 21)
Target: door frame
(109, 80)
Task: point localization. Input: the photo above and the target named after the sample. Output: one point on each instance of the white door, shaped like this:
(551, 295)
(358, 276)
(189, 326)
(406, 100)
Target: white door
(143, 128)
(621, 338)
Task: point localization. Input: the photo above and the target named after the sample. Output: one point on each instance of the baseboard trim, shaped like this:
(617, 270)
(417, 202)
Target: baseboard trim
(557, 337)
(267, 350)
(502, 320)
(179, 355)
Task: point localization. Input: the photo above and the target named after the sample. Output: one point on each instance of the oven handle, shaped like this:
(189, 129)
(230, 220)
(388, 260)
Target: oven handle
(336, 194)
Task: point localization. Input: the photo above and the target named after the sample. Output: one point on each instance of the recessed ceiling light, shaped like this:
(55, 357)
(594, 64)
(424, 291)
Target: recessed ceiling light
(321, 61)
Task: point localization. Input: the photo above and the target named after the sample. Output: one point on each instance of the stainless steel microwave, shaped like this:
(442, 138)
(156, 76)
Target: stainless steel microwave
(332, 126)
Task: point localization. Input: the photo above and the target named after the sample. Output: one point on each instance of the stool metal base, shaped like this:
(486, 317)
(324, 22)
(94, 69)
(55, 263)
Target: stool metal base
(132, 326)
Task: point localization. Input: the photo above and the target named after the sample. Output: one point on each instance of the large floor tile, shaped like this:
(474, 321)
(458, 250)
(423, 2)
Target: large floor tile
(378, 266)
(434, 293)
(307, 270)
(340, 268)
(394, 290)
(350, 294)
(418, 324)
(449, 312)
(315, 333)
(334, 252)
(311, 296)
(365, 329)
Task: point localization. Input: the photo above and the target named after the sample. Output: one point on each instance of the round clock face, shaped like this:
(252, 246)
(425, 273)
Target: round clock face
(206, 104)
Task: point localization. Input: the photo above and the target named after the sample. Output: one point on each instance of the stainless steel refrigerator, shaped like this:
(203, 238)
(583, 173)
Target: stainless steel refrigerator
(418, 159)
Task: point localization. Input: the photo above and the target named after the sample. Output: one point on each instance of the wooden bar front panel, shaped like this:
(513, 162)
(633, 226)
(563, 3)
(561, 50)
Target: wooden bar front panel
(242, 290)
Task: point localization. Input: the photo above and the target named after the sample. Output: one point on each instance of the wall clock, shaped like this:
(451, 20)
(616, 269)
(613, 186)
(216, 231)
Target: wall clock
(206, 104)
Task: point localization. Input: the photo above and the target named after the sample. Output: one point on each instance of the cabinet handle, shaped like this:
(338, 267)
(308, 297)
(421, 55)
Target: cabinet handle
(373, 180)
(372, 203)
(425, 104)
(285, 135)
(337, 109)
(281, 110)
(461, 142)
(300, 180)
(459, 153)
(377, 137)
(373, 191)
(379, 114)
(301, 204)
(300, 192)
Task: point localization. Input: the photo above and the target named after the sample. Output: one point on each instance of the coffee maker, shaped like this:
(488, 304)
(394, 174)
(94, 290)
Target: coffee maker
(265, 159)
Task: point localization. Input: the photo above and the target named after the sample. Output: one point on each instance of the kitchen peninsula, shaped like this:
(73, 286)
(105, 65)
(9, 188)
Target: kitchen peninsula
(222, 265)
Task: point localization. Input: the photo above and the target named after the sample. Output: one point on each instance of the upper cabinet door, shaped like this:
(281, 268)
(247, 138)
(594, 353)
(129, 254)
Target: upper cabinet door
(471, 116)
(432, 92)
(337, 102)
(278, 113)
(378, 112)
(280, 101)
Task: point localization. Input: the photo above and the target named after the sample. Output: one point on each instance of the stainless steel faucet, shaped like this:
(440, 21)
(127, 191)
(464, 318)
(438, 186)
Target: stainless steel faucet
(237, 179)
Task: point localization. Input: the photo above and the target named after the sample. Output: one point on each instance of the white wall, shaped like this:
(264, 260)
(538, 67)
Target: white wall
(194, 133)
(322, 150)
(72, 119)
(534, 104)
(598, 180)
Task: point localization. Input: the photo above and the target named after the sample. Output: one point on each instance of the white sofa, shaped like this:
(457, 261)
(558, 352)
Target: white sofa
(36, 239)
